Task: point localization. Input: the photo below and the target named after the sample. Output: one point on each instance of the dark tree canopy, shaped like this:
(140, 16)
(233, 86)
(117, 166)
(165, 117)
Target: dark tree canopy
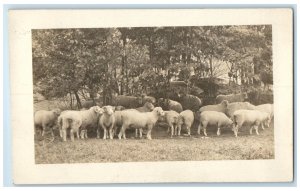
(88, 63)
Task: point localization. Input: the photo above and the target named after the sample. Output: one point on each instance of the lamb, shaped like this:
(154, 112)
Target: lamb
(213, 118)
(190, 102)
(146, 98)
(76, 119)
(268, 108)
(147, 107)
(185, 118)
(107, 121)
(221, 107)
(168, 104)
(46, 119)
(119, 108)
(127, 101)
(232, 107)
(171, 118)
(254, 118)
(136, 119)
(232, 98)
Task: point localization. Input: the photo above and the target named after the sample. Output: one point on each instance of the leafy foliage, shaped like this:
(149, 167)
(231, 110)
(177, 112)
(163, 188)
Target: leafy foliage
(87, 63)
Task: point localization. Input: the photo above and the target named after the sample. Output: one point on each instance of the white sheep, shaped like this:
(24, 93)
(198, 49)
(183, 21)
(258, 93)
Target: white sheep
(147, 107)
(171, 118)
(232, 107)
(268, 108)
(134, 119)
(46, 119)
(221, 107)
(107, 121)
(254, 118)
(76, 119)
(185, 118)
(213, 118)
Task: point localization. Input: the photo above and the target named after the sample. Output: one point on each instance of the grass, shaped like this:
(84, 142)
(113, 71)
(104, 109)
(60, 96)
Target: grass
(161, 148)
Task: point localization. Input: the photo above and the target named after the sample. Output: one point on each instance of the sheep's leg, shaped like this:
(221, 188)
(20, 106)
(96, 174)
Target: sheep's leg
(172, 131)
(189, 129)
(64, 134)
(218, 132)
(98, 133)
(141, 132)
(256, 129)
(60, 133)
(104, 133)
(236, 129)
(199, 129)
(120, 134)
(262, 126)
(72, 134)
(149, 133)
(168, 130)
(179, 130)
(111, 132)
(175, 129)
(43, 130)
(52, 133)
(123, 133)
(77, 134)
(136, 133)
(251, 130)
(204, 131)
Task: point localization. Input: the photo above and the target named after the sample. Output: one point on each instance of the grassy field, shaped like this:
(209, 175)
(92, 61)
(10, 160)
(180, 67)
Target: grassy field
(161, 148)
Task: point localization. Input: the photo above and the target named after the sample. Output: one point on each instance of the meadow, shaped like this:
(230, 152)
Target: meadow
(161, 148)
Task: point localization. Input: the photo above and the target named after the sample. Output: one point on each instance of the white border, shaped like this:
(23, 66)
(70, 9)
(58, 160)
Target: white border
(25, 171)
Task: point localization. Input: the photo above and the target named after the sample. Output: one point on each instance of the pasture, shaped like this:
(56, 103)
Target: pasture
(161, 148)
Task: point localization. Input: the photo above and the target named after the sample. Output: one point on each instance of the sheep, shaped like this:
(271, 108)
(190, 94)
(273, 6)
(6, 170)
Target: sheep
(119, 108)
(127, 101)
(77, 119)
(232, 98)
(268, 108)
(146, 98)
(107, 121)
(190, 102)
(185, 118)
(90, 103)
(147, 107)
(46, 119)
(171, 118)
(136, 119)
(168, 104)
(221, 107)
(118, 121)
(254, 118)
(232, 107)
(213, 118)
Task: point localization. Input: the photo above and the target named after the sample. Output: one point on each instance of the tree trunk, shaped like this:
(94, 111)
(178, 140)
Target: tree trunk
(210, 66)
(79, 106)
(71, 100)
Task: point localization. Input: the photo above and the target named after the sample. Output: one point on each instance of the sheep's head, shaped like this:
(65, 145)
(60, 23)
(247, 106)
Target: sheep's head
(149, 106)
(119, 108)
(57, 111)
(159, 111)
(224, 103)
(109, 110)
(230, 123)
(97, 109)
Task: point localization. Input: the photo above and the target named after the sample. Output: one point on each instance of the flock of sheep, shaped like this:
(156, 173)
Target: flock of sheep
(230, 111)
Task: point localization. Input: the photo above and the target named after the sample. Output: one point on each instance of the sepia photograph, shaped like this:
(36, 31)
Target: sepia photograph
(122, 96)
(101, 94)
